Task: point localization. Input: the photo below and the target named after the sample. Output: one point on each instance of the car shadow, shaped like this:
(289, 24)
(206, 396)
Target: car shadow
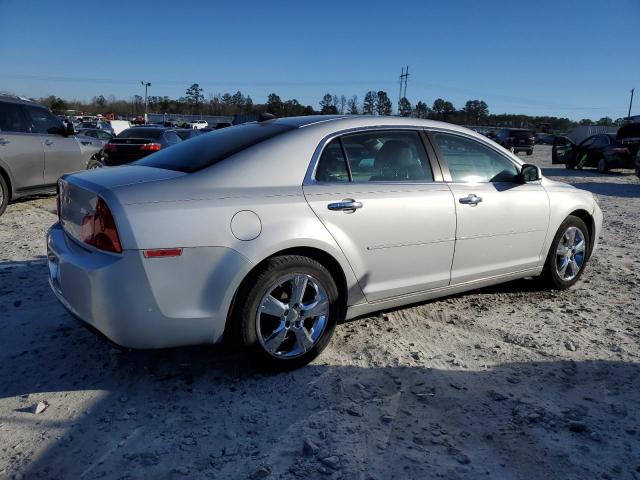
(563, 172)
(209, 412)
(622, 190)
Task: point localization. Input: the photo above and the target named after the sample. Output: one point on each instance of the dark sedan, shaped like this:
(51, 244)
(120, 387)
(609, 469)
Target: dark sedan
(135, 143)
(603, 151)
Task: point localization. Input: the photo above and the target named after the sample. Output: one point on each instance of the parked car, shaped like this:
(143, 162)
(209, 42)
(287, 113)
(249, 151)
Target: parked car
(36, 149)
(602, 151)
(628, 136)
(199, 124)
(272, 232)
(137, 142)
(97, 133)
(187, 133)
(544, 139)
(101, 125)
(518, 139)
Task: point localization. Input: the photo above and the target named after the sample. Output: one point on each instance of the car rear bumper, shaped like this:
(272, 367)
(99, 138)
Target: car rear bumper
(146, 303)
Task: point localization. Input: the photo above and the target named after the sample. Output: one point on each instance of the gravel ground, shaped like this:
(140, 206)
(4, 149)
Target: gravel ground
(508, 382)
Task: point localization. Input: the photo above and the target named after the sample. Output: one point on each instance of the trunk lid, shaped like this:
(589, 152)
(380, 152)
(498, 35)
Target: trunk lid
(78, 192)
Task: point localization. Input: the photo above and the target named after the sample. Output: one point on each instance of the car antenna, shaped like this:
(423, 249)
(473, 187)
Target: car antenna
(264, 116)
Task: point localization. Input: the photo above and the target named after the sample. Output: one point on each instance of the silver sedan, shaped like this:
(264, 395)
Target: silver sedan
(274, 231)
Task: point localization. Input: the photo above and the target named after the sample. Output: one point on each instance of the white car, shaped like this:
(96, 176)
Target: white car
(198, 124)
(275, 231)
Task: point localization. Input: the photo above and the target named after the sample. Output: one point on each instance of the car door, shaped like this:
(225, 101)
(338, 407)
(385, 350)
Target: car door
(377, 193)
(502, 222)
(21, 152)
(562, 150)
(61, 153)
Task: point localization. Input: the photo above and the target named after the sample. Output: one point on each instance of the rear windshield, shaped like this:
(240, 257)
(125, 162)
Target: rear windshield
(521, 133)
(150, 133)
(210, 148)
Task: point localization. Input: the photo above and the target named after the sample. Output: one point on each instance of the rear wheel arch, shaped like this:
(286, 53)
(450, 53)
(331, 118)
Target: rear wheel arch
(322, 257)
(5, 175)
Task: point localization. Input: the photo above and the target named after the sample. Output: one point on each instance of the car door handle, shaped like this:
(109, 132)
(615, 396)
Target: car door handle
(3, 141)
(48, 143)
(472, 200)
(348, 205)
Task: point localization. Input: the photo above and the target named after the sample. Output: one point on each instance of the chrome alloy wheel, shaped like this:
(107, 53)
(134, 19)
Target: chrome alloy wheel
(570, 254)
(292, 315)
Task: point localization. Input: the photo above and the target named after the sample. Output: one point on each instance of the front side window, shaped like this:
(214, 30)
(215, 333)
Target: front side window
(376, 156)
(43, 121)
(471, 161)
(12, 118)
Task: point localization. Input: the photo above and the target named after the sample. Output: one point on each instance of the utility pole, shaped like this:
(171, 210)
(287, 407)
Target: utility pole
(404, 76)
(146, 85)
(630, 104)
(406, 80)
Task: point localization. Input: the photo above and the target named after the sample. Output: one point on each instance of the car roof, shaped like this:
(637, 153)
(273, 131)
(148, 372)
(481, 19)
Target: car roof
(21, 100)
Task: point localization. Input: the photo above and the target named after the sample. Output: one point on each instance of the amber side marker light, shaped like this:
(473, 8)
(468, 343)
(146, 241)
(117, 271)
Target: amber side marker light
(162, 252)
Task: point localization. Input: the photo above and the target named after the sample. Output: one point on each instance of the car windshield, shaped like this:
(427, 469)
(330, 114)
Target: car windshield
(151, 133)
(211, 148)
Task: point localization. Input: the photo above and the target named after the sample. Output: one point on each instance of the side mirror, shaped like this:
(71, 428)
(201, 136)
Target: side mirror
(530, 173)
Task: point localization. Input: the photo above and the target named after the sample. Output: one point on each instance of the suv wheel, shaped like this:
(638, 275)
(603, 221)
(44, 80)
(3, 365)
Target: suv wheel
(4, 195)
(288, 312)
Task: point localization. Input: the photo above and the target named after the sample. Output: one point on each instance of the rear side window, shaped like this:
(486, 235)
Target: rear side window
(211, 148)
(12, 118)
(332, 166)
(470, 161)
(43, 121)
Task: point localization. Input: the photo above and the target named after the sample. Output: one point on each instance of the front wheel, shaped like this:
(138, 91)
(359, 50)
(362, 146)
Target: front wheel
(568, 254)
(529, 152)
(94, 163)
(569, 166)
(289, 312)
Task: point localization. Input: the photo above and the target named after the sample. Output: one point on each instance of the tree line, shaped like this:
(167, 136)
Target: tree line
(474, 112)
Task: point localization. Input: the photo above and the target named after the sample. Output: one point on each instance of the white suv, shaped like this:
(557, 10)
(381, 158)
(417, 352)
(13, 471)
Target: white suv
(199, 124)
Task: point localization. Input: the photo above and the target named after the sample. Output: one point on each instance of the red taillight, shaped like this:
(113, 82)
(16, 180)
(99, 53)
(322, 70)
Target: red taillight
(110, 147)
(163, 252)
(622, 151)
(150, 147)
(99, 229)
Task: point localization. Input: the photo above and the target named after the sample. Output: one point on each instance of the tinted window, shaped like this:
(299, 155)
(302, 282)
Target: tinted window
(12, 118)
(588, 142)
(470, 161)
(172, 137)
(146, 133)
(206, 150)
(387, 156)
(91, 133)
(521, 134)
(43, 121)
(332, 166)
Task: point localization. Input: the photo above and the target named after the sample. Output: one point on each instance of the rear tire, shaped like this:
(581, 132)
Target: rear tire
(602, 165)
(4, 195)
(529, 152)
(569, 166)
(273, 323)
(563, 251)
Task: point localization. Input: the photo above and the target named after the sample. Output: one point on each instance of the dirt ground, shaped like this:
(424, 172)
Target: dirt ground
(505, 383)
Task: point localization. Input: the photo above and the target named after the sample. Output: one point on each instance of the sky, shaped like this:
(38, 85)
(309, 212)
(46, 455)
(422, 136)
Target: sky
(570, 58)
